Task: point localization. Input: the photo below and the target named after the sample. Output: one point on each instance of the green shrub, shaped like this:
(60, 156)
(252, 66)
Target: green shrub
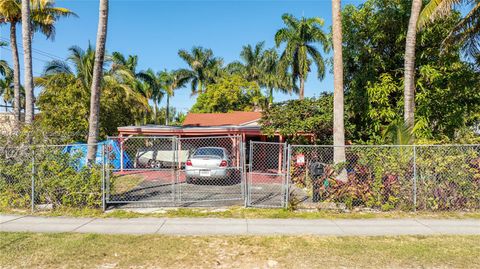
(59, 181)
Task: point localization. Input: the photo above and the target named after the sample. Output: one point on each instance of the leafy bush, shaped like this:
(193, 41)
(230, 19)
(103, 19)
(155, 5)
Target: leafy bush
(447, 177)
(58, 181)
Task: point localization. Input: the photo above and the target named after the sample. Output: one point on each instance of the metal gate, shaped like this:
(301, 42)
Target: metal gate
(171, 171)
(267, 175)
(140, 170)
(210, 171)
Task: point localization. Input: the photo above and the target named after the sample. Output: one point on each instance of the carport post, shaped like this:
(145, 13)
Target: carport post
(179, 149)
(280, 155)
(236, 149)
(121, 155)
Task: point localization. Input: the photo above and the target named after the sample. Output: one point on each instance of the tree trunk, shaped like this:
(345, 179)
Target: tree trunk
(409, 81)
(167, 113)
(338, 103)
(155, 111)
(95, 90)
(270, 97)
(301, 94)
(27, 62)
(16, 73)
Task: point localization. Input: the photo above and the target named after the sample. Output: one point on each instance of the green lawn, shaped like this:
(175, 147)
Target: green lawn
(31, 250)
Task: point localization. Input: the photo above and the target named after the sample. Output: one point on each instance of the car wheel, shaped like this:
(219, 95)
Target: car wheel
(150, 164)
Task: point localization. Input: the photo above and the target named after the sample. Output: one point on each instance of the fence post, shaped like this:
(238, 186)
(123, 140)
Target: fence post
(249, 176)
(243, 176)
(414, 178)
(177, 164)
(287, 177)
(103, 178)
(33, 181)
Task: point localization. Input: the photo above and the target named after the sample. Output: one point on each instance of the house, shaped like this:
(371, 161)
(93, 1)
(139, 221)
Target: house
(227, 126)
(238, 123)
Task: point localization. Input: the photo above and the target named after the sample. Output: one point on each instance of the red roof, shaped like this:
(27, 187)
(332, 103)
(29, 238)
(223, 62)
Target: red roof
(221, 119)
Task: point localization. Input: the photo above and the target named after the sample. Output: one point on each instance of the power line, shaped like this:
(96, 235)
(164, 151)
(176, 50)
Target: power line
(44, 53)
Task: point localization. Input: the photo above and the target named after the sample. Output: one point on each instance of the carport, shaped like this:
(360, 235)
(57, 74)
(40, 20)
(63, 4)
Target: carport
(232, 124)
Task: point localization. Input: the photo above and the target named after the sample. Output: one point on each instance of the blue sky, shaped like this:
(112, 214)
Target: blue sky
(155, 30)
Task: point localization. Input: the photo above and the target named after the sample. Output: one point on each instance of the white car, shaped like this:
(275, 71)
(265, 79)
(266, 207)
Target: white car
(207, 163)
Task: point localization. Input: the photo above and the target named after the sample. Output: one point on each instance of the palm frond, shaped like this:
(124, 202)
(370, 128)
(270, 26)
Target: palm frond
(435, 9)
(318, 60)
(467, 32)
(57, 67)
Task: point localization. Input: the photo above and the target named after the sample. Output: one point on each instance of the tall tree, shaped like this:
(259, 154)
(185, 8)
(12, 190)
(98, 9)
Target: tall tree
(44, 15)
(338, 91)
(409, 79)
(5, 82)
(95, 90)
(300, 36)
(272, 79)
(65, 94)
(250, 66)
(172, 81)
(11, 13)
(27, 61)
(262, 66)
(204, 67)
(154, 88)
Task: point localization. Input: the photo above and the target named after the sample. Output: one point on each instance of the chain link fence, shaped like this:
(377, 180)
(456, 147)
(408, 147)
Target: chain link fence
(386, 177)
(140, 170)
(213, 171)
(48, 177)
(170, 171)
(267, 185)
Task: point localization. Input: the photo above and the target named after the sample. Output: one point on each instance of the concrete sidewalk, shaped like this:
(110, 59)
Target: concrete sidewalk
(217, 226)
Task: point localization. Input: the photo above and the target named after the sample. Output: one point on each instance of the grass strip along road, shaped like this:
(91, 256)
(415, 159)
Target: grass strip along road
(68, 250)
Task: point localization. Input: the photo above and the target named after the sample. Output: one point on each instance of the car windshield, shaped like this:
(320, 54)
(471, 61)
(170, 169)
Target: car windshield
(209, 152)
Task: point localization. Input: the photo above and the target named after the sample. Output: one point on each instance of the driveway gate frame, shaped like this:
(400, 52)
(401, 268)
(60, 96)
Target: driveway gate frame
(274, 177)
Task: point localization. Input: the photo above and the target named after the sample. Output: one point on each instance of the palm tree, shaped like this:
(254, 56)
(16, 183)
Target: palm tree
(272, 79)
(338, 100)
(10, 12)
(262, 66)
(465, 32)
(95, 89)
(27, 60)
(127, 68)
(204, 67)
(172, 81)
(300, 37)
(5, 82)
(153, 89)
(251, 66)
(5, 91)
(409, 79)
(44, 15)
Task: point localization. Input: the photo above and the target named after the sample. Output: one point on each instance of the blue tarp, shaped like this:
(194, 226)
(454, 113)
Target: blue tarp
(112, 156)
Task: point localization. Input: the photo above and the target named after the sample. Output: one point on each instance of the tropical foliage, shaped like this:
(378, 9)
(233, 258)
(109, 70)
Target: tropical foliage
(374, 60)
(300, 37)
(64, 100)
(294, 118)
(230, 93)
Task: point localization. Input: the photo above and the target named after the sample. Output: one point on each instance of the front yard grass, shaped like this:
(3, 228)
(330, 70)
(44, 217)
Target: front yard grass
(34, 250)
(241, 212)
